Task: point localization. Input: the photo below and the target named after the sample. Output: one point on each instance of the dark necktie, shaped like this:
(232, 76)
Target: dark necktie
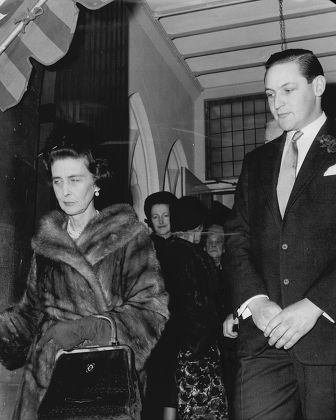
(287, 172)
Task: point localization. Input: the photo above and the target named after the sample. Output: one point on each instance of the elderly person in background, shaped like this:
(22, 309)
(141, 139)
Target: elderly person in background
(85, 263)
(214, 245)
(197, 316)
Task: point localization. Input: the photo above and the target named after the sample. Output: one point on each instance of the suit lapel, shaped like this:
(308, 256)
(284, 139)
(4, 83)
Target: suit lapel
(270, 173)
(316, 158)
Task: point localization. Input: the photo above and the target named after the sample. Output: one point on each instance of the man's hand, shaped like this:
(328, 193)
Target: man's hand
(286, 329)
(228, 327)
(263, 310)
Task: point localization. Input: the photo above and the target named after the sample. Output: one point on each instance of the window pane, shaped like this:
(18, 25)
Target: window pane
(214, 126)
(226, 110)
(216, 170)
(238, 138)
(237, 168)
(237, 123)
(227, 170)
(227, 154)
(216, 140)
(248, 121)
(226, 124)
(237, 108)
(227, 139)
(248, 107)
(216, 155)
(238, 153)
(250, 137)
(260, 120)
(259, 105)
(214, 112)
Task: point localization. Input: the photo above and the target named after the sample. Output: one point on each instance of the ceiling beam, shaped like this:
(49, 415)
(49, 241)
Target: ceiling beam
(258, 45)
(197, 8)
(288, 16)
(250, 65)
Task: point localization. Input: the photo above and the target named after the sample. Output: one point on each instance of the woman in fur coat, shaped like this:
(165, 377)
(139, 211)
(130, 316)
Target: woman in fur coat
(85, 263)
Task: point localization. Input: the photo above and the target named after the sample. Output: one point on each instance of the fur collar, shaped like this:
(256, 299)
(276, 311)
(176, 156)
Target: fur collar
(111, 229)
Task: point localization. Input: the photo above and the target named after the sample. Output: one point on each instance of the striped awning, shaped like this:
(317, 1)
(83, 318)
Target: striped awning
(42, 29)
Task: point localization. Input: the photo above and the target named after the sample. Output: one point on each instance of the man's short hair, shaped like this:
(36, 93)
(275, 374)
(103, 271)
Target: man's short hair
(309, 65)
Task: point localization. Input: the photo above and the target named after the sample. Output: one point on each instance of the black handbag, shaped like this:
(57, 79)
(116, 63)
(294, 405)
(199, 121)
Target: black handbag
(92, 383)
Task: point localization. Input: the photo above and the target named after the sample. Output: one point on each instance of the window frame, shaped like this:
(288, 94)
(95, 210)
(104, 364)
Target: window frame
(250, 133)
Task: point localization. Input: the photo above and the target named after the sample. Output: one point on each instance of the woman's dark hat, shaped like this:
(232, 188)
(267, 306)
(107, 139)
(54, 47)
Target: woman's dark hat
(187, 213)
(161, 197)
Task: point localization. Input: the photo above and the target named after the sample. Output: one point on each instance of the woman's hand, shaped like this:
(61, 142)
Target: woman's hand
(228, 326)
(69, 334)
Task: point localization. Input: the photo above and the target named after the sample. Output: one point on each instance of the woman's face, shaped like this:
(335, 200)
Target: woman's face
(160, 217)
(73, 184)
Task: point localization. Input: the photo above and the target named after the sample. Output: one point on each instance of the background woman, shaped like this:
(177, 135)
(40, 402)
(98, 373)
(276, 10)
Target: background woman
(84, 263)
(185, 379)
(161, 395)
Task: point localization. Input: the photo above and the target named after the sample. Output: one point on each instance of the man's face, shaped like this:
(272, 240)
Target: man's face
(293, 101)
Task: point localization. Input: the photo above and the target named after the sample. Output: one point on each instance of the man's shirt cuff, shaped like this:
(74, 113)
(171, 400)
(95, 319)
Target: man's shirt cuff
(328, 317)
(243, 311)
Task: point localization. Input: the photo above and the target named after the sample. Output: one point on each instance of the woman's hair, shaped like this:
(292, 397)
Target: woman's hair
(75, 140)
(309, 65)
(161, 197)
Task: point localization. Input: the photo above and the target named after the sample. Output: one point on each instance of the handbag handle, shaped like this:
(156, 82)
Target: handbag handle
(114, 338)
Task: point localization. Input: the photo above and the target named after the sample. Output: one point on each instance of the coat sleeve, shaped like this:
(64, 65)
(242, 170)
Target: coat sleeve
(18, 324)
(322, 293)
(244, 278)
(143, 314)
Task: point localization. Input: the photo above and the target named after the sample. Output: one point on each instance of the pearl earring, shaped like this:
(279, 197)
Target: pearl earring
(96, 193)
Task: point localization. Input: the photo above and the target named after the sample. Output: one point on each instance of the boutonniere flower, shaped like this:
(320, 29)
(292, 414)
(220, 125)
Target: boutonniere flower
(328, 142)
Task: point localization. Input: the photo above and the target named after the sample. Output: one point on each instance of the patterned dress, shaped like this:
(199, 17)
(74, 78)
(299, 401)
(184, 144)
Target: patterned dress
(201, 393)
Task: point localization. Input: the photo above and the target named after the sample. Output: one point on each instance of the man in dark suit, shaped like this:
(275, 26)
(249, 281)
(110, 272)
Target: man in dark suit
(282, 254)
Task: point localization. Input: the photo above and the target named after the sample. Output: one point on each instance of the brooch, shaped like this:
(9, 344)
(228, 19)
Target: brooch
(328, 142)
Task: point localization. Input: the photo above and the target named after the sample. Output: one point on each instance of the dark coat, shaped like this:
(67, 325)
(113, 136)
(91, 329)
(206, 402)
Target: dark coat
(191, 280)
(193, 285)
(112, 270)
(291, 258)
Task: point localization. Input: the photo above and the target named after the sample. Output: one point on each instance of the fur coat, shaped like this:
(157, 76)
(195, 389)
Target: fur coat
(111, 270)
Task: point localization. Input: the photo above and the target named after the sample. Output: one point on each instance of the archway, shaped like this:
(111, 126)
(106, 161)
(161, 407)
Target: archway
(173, 171)
(143, 176)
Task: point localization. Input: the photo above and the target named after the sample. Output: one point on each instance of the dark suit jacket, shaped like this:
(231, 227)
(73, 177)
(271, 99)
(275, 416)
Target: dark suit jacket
(290, 258)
